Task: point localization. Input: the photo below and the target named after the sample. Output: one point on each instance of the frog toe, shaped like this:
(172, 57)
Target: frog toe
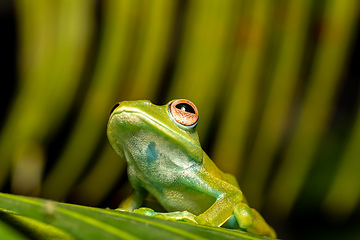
(144, 211)
(172, 216)
(251, 221)
(203, 221)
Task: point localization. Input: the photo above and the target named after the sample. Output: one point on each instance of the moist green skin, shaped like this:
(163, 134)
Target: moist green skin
(166, 159)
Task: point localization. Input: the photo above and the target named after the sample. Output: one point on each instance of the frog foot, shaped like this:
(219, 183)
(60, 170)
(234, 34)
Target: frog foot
(251, 221)
(173, 216)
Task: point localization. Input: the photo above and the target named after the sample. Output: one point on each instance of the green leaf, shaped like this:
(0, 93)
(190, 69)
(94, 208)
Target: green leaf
(9, 233)
(68, 221)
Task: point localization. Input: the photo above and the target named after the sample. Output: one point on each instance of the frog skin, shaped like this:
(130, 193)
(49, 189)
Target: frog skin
(165, 158)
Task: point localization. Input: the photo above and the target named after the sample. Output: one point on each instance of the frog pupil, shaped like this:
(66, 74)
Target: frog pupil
(185, 107)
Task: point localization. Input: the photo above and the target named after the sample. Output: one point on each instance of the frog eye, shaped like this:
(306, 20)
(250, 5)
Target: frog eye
(113, 108)
(184, 112)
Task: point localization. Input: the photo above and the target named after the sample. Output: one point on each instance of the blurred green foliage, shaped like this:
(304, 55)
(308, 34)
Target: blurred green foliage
(269, 79)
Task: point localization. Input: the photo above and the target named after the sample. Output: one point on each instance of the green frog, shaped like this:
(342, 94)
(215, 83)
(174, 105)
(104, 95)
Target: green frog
(164, 158)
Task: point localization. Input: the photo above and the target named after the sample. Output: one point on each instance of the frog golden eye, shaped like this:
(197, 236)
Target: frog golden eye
(184, 112)
(113, 108)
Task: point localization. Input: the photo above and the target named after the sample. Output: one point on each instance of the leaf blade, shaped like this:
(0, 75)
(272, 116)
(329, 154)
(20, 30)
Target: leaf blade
(94, 223)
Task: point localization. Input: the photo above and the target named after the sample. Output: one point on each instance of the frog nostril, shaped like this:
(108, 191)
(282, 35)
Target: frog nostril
(114, 107)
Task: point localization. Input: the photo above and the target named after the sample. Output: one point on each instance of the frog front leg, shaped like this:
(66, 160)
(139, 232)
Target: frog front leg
(135, 200)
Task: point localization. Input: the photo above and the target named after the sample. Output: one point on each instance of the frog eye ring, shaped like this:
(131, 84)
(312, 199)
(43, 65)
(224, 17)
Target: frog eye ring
(184, 112)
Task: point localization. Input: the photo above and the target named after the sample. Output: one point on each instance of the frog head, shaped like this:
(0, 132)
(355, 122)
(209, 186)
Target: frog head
(145, 132)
